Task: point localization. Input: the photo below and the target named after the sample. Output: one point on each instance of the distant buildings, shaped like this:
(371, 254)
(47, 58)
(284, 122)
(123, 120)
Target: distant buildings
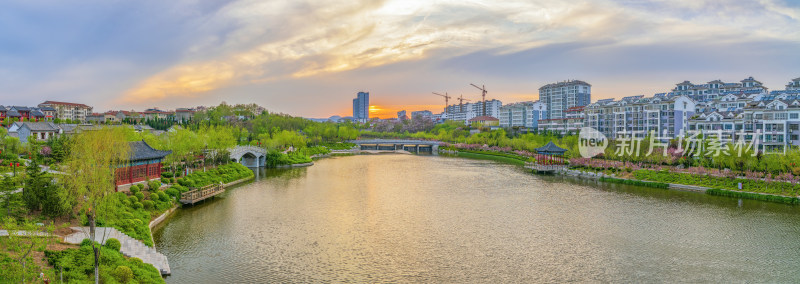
(22, 113)
(71, 111)
(422, 113)
(465, 112)
(636, 116)
(34, 131)
(484, 121)
(522, 114)
(558, 97)
(794, 84)
(361, 107)
(713, 89)
(402, 115)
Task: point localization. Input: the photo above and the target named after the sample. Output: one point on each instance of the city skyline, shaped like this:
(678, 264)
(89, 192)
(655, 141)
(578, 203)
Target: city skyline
(106, 55)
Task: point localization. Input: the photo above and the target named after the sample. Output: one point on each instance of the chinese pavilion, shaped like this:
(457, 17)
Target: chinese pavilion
(144, 163)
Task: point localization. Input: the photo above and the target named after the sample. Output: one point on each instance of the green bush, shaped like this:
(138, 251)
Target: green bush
(148, 204)
(166, 174)
(222, 174)
(138, 205)
(139, 196)
(635, 182)
(123, 274)
(134, 189)
(78, 264)
(153, 185)
(754, 196)
(749, 185)
(163, 196)
(113, 244)
(173, 192)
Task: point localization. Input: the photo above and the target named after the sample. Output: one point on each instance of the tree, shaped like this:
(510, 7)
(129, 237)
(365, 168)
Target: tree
(12, 202)
(23, 238)
(90, 169)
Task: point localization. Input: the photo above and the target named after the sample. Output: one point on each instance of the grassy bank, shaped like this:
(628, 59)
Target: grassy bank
(748, 185)
(492, 156)
(753, 196)
(635, 182)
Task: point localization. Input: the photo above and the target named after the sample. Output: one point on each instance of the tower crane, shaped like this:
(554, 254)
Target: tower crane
(446, 100)
(483, 97)
(461, 102)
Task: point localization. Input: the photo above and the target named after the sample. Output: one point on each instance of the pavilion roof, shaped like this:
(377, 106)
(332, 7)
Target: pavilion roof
(550, 149)
(141, 151)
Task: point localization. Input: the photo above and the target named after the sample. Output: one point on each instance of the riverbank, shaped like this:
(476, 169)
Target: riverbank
(656, 181)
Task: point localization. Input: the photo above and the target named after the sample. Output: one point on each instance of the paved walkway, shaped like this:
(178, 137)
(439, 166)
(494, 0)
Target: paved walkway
(130, 247)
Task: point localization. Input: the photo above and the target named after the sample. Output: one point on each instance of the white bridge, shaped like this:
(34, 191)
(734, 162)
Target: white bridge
(249, 156)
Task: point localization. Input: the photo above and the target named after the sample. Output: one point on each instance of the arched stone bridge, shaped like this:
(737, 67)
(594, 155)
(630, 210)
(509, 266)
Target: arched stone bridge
(249, 156)
(395, 145)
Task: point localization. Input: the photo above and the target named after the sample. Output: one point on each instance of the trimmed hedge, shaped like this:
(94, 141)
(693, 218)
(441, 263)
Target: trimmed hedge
(635, 182)
(754, 196)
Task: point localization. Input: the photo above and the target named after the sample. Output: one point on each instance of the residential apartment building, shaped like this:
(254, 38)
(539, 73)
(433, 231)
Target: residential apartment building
(522, 114)
(465, 112)
(185, 114)
(636, 116)
(361, 107)
(558, 97)
(72, 111)
(714, 89)
(571, 123)
(793, 85)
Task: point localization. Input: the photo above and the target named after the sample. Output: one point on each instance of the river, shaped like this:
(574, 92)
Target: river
(424, 219)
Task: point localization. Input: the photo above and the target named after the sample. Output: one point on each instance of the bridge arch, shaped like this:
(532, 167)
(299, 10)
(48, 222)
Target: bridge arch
(249, 156)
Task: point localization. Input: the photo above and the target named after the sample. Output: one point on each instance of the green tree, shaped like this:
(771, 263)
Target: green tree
(91, 166)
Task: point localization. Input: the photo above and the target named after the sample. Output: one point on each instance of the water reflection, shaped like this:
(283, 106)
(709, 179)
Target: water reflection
(400, 218)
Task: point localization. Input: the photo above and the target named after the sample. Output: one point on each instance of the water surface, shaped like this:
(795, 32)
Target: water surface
(403, 218)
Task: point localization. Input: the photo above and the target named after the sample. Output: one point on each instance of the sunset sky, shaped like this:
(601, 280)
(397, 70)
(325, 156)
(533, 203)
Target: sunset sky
(310, 58)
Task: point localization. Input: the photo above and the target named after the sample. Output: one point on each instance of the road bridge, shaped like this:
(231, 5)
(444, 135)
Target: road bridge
(414, 146)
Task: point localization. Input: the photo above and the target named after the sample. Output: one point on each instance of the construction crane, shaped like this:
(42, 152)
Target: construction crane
(461, 103)
(483, 97)
(446, 100)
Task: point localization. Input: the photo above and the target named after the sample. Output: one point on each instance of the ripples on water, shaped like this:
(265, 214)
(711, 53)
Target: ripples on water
(401, 218)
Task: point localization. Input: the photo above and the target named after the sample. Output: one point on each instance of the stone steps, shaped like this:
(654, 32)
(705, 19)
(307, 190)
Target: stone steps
(130, 247)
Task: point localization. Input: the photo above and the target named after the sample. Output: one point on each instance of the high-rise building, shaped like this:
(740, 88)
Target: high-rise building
(558, 97)
(361, 107)
(402, 115)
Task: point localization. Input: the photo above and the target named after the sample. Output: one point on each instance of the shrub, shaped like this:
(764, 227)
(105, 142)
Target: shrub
(635, 182)
(166, 174)
(173, 192)
(137, 205)
(163, 196)
(754, 196)
(139, 196)
(123, 274)
(134, 189)
(86, 242)
(153, 185)
(113, 244)
(148, 204)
